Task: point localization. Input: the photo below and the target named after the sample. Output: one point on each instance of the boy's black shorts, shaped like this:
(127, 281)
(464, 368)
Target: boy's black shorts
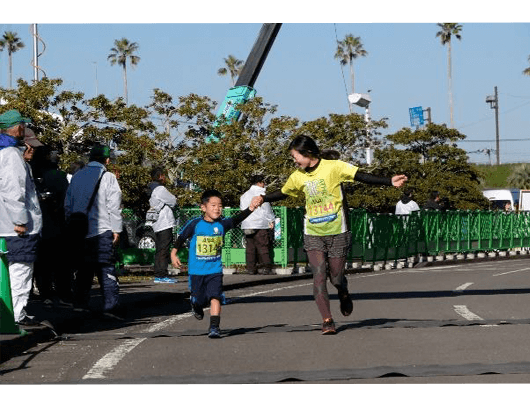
(204, 288)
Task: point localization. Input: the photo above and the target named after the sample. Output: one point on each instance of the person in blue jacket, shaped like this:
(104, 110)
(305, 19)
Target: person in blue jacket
(205, 268)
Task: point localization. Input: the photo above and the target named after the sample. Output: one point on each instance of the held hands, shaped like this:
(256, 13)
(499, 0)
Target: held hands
(399, 180)
(256, 202)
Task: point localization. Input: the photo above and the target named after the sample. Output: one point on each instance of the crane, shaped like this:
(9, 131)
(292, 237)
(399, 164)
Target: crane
(244, 87)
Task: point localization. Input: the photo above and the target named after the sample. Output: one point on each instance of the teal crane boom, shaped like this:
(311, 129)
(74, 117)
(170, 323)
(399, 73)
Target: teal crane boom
(244, 87)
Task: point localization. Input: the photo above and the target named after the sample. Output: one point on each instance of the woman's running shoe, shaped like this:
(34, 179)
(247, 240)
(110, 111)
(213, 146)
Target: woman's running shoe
(328, 327)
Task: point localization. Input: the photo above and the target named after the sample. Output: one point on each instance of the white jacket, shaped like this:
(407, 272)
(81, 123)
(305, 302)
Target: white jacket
(105, 213)
(162, 200)
(19, 202)
(262, 216)
(406, 209)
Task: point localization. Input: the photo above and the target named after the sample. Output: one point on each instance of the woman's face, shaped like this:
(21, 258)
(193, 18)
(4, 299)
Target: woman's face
(300, 160)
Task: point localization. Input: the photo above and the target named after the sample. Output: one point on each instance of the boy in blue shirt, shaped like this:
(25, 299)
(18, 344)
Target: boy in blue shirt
(205, 268)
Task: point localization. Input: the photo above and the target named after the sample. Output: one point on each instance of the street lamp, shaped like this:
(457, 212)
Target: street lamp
(494, 104)
(364, 100)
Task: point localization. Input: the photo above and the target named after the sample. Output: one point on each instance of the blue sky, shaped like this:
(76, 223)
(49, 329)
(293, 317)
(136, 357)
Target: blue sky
(406, 65)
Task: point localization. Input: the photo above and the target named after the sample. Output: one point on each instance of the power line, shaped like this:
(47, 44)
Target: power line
(492, 140)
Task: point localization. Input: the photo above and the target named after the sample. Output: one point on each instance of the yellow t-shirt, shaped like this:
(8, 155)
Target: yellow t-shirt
(323, 196)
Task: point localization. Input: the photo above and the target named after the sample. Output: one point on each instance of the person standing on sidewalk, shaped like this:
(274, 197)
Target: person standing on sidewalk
(94, 184)
(20, 213)
(163, 202)
(257, 228)
(326, 237)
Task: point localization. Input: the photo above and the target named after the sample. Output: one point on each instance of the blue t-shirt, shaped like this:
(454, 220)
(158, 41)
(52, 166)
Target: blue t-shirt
(206, 242)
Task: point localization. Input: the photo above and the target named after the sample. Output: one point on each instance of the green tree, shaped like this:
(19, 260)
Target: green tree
(173, 134)
(12, 43)
(71, 124)
(349, 49)
(123, 52)
(445, 34)
(233, 67)
(431, 160)
(251, 146)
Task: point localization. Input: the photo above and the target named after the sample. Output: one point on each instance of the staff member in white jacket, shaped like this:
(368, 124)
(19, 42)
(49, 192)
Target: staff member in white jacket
(256, 228)
(163, 202)
(20, 213)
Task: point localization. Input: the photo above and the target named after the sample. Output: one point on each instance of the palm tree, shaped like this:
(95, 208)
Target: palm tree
(122, 51)
(233, 66)
(449, 29)
(348, 49)
(12, 43)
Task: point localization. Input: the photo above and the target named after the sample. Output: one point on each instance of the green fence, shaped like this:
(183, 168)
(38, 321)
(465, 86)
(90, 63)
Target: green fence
(376, 237)
(382, 237)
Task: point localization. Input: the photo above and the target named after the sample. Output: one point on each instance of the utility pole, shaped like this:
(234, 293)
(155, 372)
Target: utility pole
(494, 103)
(36, 54)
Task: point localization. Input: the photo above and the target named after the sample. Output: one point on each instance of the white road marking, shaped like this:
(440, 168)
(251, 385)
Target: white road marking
(462, 287)
(111, 359)
(466, 313)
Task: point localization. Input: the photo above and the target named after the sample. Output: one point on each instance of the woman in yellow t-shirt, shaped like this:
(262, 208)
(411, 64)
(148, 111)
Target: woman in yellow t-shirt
(326, 234)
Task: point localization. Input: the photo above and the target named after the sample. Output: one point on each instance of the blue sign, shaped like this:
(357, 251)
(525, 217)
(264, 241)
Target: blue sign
(416, 116)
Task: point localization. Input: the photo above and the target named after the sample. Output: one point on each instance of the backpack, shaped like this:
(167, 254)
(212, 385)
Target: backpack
(152, 214)
(77, 225)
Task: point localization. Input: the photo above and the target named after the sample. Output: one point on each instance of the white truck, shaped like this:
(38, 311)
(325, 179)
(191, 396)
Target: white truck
(500, 196)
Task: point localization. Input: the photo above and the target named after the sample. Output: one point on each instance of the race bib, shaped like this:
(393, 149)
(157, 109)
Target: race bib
(209, 247)
(319, 203)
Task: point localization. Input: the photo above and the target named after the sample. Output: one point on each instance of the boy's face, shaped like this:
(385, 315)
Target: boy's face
(212, 209)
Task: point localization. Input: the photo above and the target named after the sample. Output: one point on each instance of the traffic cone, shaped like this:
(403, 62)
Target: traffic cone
(7, 317)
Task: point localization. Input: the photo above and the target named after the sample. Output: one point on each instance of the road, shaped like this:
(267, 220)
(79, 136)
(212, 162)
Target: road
(459, 323)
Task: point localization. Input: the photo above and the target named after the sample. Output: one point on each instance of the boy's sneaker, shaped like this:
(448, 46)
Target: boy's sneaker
(165, 280)
(346, 304)
(197, 311)
(214, 332)
(328, 327)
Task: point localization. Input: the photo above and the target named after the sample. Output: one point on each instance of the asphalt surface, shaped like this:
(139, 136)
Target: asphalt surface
(133, 295)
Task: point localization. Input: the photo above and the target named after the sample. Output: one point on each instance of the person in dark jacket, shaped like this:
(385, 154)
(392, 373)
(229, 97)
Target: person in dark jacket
(433, 203)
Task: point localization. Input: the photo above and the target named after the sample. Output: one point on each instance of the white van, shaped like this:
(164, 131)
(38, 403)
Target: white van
(500, 196)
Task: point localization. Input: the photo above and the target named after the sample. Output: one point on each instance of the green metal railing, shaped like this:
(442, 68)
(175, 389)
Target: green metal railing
(382, 237)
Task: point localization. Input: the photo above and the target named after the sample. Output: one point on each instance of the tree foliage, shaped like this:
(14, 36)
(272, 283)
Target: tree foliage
(432, 161)
(171, 132)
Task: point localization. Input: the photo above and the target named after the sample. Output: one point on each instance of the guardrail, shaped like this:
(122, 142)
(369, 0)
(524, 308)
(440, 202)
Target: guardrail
(376, 237)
